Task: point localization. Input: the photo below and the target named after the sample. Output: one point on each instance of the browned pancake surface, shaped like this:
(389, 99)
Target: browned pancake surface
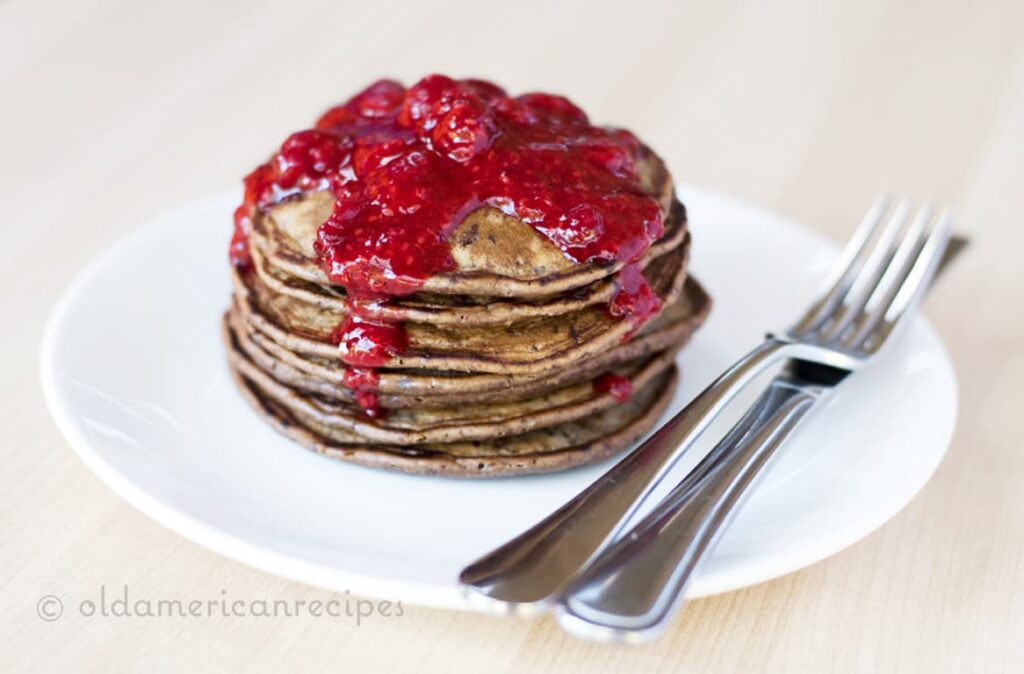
(542, 451)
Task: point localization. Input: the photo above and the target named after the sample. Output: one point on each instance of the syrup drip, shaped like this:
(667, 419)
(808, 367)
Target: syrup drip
(364, 381)
(618, 386)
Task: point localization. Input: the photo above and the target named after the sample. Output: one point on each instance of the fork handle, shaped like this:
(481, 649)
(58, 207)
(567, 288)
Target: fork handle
(526, 574)
(631, 590)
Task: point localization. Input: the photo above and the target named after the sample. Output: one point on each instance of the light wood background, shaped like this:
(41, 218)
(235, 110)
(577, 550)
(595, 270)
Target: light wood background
(115, 110)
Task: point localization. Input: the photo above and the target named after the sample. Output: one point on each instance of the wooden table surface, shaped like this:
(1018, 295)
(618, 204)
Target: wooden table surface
(115, 110)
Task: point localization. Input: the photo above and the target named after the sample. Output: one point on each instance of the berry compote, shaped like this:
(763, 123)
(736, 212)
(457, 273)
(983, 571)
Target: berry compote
(406, 166)
(620, 387)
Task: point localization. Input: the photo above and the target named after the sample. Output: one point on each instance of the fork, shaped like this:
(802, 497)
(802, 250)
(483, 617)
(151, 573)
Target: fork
(878, 280)
(630, 591)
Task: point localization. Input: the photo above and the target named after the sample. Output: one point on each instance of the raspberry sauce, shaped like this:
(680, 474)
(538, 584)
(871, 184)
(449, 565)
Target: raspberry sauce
(364, 346)
(363, 381)
(634, 299)
(407, 165)
(618, 386)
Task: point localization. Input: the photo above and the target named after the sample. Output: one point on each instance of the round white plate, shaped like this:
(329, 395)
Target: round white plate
(134, 372)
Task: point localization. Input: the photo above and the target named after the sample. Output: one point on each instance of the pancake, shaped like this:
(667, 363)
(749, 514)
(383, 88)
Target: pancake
(399, 389)
(417, 426)
(543, 451)
(447, 280)
(445, 310)
(497, 255)
(524, 347)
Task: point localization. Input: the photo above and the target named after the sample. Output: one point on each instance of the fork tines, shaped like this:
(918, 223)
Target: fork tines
(881, 275)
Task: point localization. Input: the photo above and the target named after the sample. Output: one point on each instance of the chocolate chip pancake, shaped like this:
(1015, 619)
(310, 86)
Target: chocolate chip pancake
(527, 345)
(448, 280)
(495, 254)
(543, 451)
(441, 309)
(400, 389)
(477, 421)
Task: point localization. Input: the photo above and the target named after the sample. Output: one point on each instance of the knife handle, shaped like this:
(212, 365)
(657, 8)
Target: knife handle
(631, 591)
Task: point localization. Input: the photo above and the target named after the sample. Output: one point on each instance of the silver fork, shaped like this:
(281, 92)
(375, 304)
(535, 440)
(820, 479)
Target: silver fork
(871, 288)
(630, 591)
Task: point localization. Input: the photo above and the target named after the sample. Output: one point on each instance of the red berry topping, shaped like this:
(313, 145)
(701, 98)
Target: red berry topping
(486, 91)
(407, 165)
(307, 158)
(373, 152)
(618, 386)
(425, 99)
(363, 381)
(380, 99)
(555, 109)
(364, 344)
(371, 407)
(634, 299)
(463, 132)
(238, 250)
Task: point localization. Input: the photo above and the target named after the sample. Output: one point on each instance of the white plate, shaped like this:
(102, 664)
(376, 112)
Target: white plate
(134, 372)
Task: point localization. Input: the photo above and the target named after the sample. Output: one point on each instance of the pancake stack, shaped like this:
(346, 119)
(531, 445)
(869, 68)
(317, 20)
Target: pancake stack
(511, 356)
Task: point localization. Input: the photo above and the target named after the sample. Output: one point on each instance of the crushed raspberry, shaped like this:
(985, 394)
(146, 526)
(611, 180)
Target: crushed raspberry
(407, 165)
(362, 343)
(634, 299)
(364, 381)
(618, 386)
